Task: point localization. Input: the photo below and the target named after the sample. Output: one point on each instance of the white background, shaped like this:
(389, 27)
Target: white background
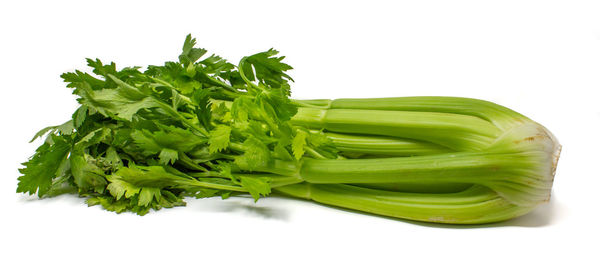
(541, 58)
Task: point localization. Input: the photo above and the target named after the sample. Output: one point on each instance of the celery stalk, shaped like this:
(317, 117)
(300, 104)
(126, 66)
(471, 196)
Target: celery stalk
(380, 146)
(455, 131)
(475, 205)
(458, 149)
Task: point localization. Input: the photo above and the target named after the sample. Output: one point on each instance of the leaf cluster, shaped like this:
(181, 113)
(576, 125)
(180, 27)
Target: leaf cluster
(144, 139)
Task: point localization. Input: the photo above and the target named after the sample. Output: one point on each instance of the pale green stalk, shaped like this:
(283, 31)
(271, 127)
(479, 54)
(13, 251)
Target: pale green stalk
(461, 149)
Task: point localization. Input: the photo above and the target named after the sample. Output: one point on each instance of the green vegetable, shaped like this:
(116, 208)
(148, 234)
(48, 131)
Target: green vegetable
(203, 127)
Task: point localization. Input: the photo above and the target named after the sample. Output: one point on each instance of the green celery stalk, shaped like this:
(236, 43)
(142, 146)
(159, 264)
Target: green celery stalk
(455, 131)
(362, 146)
(485, 146)
(474, 205)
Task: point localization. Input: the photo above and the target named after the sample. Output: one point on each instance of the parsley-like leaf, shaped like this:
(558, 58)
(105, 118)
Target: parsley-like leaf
(256, 186)
(268, 69)
(298, 144)
(190, 54)
(65, 128)
(41, 168)
(219, 138)
(256, 155)
(167, 156)
(122, 102)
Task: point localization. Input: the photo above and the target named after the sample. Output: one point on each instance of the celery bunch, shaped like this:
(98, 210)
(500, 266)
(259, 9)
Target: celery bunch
(204, 127)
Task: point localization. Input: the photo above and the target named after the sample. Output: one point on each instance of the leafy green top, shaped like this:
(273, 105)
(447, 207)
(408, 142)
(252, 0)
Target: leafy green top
(198, 127)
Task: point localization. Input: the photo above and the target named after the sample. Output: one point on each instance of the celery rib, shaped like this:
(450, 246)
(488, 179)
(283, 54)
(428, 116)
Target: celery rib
(474, 205)
(500, 116)
(455, 131)
(383, 146)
